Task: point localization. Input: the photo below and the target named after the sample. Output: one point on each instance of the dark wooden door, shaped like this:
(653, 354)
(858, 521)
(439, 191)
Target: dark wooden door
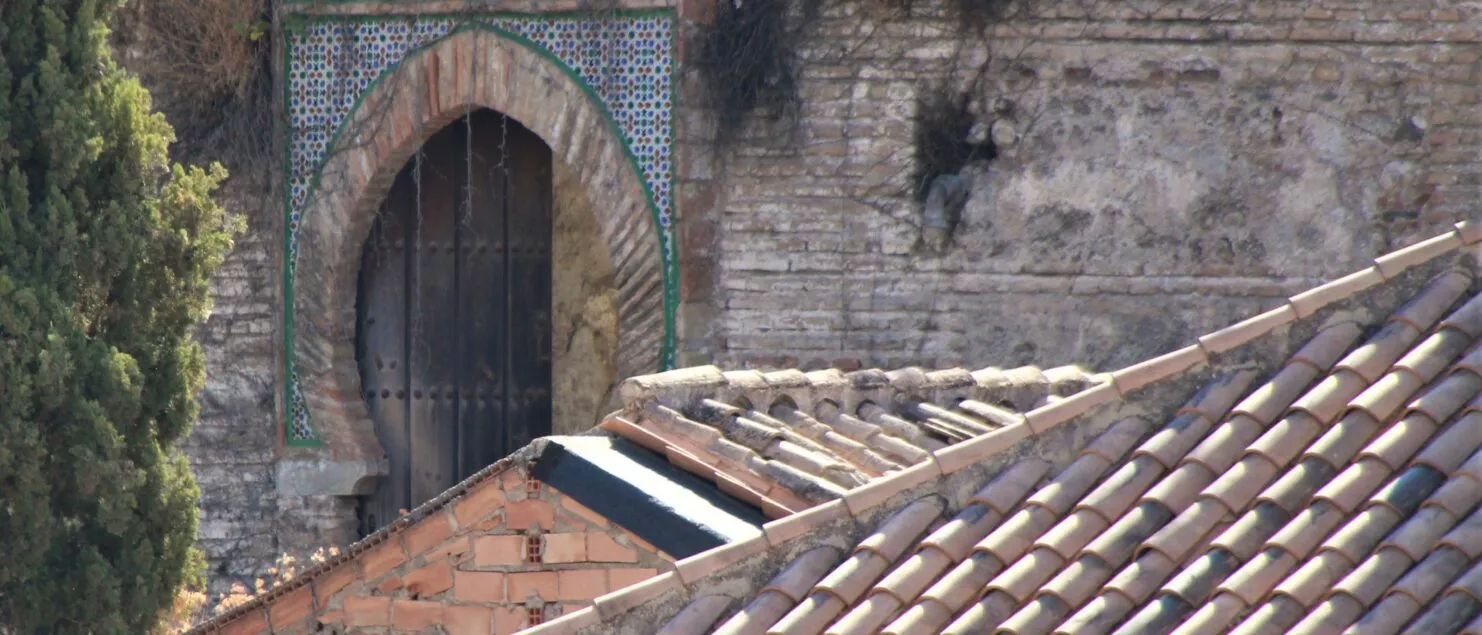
(454, 329)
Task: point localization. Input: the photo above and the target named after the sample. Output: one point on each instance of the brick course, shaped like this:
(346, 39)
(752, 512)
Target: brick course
(1163, 182)
(470, 591)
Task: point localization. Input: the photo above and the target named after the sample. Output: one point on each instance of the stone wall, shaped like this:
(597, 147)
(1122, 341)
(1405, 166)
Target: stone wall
(584, 304)
(232, 447)
(1160, 174)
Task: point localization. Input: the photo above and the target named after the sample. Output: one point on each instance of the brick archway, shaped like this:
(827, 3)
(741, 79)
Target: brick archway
(431, 87)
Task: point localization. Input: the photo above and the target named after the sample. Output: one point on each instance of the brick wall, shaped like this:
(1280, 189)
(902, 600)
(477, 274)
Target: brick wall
(1163, 173)
(509, 552)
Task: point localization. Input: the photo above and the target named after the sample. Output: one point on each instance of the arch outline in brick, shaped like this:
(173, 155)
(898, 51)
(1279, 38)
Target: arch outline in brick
(474, 66)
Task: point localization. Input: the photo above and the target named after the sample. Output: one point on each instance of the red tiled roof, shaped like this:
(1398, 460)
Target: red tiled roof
(799, 439)
(1335, 492)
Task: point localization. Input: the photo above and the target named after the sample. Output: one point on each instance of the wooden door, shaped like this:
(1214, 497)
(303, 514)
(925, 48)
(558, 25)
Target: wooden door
(454, 329)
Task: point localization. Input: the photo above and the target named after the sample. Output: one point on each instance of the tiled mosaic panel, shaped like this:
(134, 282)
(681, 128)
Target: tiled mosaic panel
(625, 60)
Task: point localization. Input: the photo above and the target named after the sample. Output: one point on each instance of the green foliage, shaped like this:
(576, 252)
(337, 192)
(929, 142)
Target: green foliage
(105, 255)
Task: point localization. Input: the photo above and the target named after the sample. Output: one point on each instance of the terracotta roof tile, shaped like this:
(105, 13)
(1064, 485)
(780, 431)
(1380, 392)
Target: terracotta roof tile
(850, 580)
(1397, 444)
(908, 580)
(1026, 575)
(810, 616)
(1307, 585)
(867, 616)
(1455, 443)
(1079, 581)
(962, 583)
(1070, 485)
(1076, 531)
(1015, 537)
(1307, 528)
(1181, 488)
(1100, 615)
(697, 617)
(1243, 481)
(818, 435)
(1339, 491)
(1222, 448)
(926, 617)
(1308, 302)
(1008, 489)
(1388, 616)
(1178, 538)
(989, 612)
(1446, 615)
(1118, 491)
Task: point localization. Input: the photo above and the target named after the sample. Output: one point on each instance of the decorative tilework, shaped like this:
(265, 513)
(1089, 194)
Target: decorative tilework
(625, 59)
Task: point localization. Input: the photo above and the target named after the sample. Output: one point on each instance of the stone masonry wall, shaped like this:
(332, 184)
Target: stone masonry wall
(1163, 171)
(584, 307)
(231, 447)
(511, 553)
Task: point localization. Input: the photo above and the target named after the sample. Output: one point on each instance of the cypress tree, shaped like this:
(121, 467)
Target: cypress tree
(106, 249)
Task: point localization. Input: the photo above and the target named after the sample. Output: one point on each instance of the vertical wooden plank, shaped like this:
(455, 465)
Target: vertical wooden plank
(434, 313)
(454, 310)
(529, 225)
(381, 348)
(481, 293)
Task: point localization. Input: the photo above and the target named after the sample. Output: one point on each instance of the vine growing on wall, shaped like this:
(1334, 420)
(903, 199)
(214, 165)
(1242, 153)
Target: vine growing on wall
(209, 65)
(748, 57)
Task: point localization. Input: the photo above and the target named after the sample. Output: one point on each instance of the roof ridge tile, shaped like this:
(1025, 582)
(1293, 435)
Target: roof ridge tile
(861, 499)
(1310, 301)
(787, 528)
(696, 567)
(621, 601)
(1239, 333)
(1470, 231)
(969, 452)
(1050, 415)
(1141, 374)
(1397, 261)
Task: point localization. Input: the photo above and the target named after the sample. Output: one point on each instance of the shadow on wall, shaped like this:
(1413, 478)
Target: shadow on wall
(584, 303)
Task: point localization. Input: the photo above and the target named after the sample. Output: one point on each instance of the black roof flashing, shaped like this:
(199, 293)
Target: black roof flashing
(640, 491)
